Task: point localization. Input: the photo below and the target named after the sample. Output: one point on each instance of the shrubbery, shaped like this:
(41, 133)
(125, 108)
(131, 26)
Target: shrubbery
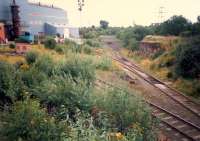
(188, 59)
(45, 64)
(57, 101)
(104, 63)
(92, 43)
(12, 45)
(31, 57)
(27, 121)
(87, 49)
(77, 67)
(50, 43)
(7, 80)
(127, 113)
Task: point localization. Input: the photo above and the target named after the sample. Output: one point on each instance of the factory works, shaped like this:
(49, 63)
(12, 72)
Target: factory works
(19, 16)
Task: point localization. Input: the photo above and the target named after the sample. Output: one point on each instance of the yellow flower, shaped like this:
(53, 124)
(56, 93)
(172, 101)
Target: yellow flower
(24, 67)
(119, 136)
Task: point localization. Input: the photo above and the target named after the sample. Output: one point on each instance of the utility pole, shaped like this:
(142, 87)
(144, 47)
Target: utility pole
(161, 14)
(80, 8)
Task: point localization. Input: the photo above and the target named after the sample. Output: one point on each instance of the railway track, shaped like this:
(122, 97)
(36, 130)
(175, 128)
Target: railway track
(178, 97)
(188, 130)
(187, 125)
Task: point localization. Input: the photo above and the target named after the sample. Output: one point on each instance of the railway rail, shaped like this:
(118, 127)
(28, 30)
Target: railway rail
(178, 97)
(187, 127)
(188, 130)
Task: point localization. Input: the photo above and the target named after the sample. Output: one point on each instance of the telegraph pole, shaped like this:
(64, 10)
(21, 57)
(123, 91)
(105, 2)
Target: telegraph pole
(80, 9)
(161, 14)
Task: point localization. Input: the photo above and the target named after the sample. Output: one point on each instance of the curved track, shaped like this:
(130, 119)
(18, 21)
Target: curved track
(187, 129)
(187, 125)
(178, 97)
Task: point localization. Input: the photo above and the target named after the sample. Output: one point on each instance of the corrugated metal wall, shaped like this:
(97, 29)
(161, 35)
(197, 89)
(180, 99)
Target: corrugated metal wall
(5, 14)
(34, 17)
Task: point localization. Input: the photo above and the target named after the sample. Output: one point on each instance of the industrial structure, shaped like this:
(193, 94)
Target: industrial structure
(21, 16)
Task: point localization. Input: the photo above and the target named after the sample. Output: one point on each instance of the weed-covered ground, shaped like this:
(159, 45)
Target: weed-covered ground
(50, 93)
(163, 66)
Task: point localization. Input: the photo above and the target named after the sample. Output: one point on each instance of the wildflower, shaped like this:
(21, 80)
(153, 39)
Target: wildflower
(119, 136)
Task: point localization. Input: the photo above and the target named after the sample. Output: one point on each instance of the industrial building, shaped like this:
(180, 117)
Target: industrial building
(19, 16)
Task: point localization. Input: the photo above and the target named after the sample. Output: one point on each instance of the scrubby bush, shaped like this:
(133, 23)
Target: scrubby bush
(60, 48)
(92, 43)
(69, 42)
(166, 60)
(50, 43)
(104, 63)
(33, 77)
(27, 121)
(87, 49)
(133, 45)
(64, 92)
(12, 45)
(31, 57)
(7, 80)
(188, 59)
(73, 46)
(127, 113)
(77, 67)
(158, 54)
(45, 64)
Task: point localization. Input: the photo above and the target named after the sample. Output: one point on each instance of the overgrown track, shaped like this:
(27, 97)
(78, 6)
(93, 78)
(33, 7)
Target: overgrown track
(178, 97)
(186, 124)
(189, 129)
(176, 123)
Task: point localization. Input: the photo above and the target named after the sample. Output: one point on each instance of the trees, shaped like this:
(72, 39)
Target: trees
(188, 59)
(174, 26)
(104, 24)
(198, 19)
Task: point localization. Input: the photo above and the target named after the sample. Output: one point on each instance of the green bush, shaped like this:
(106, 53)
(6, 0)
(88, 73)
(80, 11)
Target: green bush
(104, 64)
(60, 48)
(127, 112)
(188, 59)
(92, 43)
(12, 46)
(33, 77)
(31, 57)
(133, 44)
(78, 68)
(73, 46)
(10, 82)
(45, 64)
(64, 92)
(26, 121)
(69, 42)
(158, 54)
(84, 130)
(196, 90)
(87, 49)
(50, 43)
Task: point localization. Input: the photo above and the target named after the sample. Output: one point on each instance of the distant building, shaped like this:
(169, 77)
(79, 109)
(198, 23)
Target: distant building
(35, 18)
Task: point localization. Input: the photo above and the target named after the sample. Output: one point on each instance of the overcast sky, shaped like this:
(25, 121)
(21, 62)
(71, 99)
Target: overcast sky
(126, 12)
